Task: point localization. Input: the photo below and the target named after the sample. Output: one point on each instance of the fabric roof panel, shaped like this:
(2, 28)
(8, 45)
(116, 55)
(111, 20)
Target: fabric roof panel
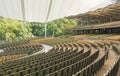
(36, 10)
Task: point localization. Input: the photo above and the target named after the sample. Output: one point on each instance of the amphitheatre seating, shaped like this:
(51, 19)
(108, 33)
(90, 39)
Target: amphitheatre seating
(18, 49)
(116, 37)
(113, 71)
(81, 36)
(10, 57)
(101, 44)
(116, 49)
(64, 64)
(69, 58)
(72, 69)
(13, 43)
(92, 68)
(55, 65)
(48, 60)
(54, 55)
(22, 48)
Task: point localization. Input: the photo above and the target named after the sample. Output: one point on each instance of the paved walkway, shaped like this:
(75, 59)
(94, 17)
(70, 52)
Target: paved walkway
(1, 51)
(45, 49)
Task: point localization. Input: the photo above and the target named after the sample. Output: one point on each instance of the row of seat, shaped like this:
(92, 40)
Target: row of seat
(58, 55)
(7, 44)
(92, 68)
(10, 54)
(31, 59)
(75, 58)
(50, 63)
(43, 71)
(72, 69)
(10, 57)
(20, 47)
(114, 69)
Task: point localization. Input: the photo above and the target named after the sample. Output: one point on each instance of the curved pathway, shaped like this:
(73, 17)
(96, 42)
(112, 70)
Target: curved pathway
(1, 50)
(45, 49)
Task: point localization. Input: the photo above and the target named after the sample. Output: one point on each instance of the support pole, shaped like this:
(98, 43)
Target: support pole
(23, 14)
(45, 30)
(53, 33)
(48, 13)
(25, 27)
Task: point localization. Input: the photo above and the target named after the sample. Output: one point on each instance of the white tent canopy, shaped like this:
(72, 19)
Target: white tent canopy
(47, 10)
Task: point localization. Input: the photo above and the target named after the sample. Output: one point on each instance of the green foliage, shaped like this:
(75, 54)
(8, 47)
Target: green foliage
(12, 29)
(61, 24)
(54, 28)
(57, 40)
(97, 36)
(37, 29)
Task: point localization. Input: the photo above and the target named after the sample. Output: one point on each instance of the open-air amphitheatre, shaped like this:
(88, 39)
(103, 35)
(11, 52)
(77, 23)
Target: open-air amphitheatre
(59, 38)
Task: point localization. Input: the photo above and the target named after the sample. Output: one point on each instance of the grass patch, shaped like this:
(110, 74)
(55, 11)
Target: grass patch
(57, 40)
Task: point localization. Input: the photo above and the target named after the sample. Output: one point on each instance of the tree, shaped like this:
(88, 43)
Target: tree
(11, 29)
(60, 24)
(37, 29)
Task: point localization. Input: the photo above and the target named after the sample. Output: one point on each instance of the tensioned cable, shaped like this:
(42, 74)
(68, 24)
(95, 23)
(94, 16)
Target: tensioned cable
(53, 8)
(23, 14)
(49, 10)
(26, 13)
(48, 13)
(52, 12)
(23, 9)
(33, 13)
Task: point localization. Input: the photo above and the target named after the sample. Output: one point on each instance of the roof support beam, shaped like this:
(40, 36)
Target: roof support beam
(48, 13)
(23, 14)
